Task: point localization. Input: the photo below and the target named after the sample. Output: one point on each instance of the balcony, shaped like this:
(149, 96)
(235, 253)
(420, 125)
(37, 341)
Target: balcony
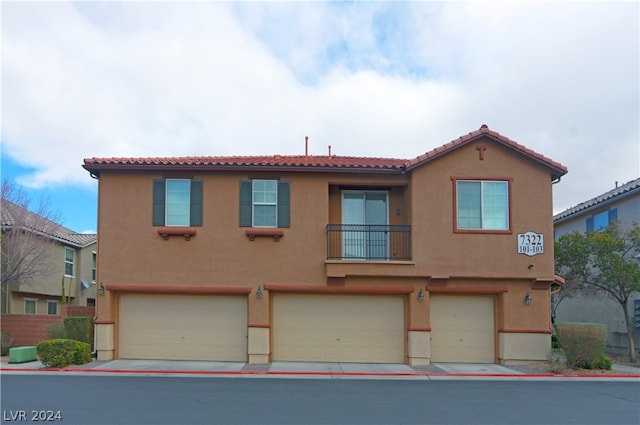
(369, 242)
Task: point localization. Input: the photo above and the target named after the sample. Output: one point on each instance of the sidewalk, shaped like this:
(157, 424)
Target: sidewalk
(312, 369)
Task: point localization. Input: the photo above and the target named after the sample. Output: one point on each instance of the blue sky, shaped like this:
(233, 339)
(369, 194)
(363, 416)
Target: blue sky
(385, 79)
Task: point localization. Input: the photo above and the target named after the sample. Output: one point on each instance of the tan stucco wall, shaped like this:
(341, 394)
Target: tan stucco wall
(438, 251)
(50, 287)
(221, 255)
(524, 347)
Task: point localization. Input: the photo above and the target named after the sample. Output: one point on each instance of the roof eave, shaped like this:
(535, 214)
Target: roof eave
(96, 169)
(557, 170)
(587, 209)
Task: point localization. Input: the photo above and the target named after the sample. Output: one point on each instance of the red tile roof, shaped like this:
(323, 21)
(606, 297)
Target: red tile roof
(558, 170)
(267, 161)
(316, 163)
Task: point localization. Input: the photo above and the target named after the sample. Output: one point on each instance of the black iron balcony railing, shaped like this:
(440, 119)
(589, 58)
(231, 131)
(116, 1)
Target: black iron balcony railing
(368, 242)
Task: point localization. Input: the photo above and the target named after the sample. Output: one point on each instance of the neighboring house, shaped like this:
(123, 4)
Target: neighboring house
(622, 204)
(70, 256)
(328, 258)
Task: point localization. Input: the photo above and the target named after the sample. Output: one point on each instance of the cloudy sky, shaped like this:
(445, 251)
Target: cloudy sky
(382, 79)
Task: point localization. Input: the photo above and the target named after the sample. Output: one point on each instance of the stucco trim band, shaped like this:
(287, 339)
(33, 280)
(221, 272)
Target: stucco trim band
(340, 289)
(468, 289)
(174, 289)
(526, 331)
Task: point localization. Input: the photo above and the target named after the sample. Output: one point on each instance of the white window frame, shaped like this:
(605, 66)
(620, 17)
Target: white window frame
(483, 226)
(35, 301)
(57, 303)
(72, 262)
(255, 203)
(94, 266)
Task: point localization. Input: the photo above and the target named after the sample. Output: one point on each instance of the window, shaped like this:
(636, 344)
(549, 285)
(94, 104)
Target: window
(177, 202)
(264, 203)
(30, 306)
(52, 307)
(68, 261)
(482, 205)
(94, 261)
(601, 220)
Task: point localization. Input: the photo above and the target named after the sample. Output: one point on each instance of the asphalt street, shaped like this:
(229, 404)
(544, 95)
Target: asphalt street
(91, 399)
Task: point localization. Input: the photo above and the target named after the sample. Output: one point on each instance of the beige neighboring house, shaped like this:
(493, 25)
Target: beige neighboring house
(621, 204)
(72, 256)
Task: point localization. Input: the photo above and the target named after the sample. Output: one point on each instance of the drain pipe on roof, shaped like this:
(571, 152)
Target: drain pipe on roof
(556, 180)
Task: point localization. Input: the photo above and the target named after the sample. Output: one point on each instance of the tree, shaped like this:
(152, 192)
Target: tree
(25, 237)
(603, 262)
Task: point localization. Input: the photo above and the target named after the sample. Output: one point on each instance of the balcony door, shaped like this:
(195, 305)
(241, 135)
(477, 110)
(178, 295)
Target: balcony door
(365, 220)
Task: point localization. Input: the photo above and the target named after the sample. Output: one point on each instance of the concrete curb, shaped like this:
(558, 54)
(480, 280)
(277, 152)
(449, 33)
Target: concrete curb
(257, 373)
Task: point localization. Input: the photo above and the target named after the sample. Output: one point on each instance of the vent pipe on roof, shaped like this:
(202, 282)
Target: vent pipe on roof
(306, 145)
(329, 150)
(616, 184)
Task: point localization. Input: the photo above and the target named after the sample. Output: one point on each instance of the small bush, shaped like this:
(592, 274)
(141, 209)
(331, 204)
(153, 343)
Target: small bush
(604, 363)
(583, 343)
(555, 343)
(79, 328)
(55, 331)
(63, 352)
(6, 342)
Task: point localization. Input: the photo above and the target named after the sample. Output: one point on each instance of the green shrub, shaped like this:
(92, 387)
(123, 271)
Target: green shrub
(55, 330)
(6, 342)
(555, 343)
(604, 363)
(79, 328)
(63, 352)
(583, 343)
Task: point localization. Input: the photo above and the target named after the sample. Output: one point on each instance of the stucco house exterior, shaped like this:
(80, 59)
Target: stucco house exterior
(622, 204)
(72, 257)
(446, 257)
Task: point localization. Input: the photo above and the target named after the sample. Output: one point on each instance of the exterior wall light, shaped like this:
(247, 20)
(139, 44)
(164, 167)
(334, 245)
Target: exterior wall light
(527, 299)
(101, 289)
(421, 296)
(259, 293)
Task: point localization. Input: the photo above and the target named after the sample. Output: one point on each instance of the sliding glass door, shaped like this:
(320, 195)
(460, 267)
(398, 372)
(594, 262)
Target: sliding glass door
(365, 219)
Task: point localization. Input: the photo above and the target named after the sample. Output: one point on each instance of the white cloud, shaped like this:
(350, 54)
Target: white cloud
(374, 79)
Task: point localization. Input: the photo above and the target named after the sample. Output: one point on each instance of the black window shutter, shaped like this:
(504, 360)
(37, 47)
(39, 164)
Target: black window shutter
(590, 224)
(246, 203)
(196, 203)
(283, 204)
(613, 215)
(158, 202)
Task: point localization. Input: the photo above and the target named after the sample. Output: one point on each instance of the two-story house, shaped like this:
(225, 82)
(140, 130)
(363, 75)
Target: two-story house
(621, 204)
(446, 257)
(63, 256)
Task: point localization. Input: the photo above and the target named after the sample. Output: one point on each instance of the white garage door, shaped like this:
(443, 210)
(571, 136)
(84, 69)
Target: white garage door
(183, 327)
(338, 328)
(462, 329)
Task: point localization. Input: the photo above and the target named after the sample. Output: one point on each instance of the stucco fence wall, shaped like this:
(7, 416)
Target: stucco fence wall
(30, 329)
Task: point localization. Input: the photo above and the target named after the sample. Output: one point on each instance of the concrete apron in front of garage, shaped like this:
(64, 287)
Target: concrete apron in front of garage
(303, 367)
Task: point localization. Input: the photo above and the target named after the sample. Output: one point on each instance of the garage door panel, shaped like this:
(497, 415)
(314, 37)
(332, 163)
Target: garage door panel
(462, 329)
(338, 328)
(183, 327)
